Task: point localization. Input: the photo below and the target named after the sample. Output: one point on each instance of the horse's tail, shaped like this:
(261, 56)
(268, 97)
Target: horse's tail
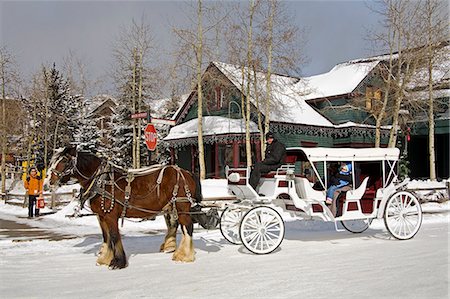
(198, 189)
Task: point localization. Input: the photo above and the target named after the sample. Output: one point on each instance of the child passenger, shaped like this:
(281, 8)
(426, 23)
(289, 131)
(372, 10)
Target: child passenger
(340, 179)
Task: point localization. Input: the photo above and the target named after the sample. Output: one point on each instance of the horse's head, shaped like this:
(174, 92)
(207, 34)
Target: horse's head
(61, 167)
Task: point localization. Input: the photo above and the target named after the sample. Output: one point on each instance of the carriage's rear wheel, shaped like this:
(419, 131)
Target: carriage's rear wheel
(356, 226)
(262, 230)
(230, 221)
(403, 215)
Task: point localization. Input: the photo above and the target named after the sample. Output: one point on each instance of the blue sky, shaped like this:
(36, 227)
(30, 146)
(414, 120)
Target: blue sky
(44, 31)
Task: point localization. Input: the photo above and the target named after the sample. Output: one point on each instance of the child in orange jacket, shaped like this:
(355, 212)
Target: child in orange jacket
(33, 185)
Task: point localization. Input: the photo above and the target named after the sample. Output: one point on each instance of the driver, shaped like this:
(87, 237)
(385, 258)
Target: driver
(274, 157)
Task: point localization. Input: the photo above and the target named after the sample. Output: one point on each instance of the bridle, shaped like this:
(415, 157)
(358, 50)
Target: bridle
(66, 171)
(70, 169)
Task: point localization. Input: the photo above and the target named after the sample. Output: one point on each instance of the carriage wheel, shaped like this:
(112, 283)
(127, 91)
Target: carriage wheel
(356, 226)
(403, 215)
(262, 230)
(230, 221)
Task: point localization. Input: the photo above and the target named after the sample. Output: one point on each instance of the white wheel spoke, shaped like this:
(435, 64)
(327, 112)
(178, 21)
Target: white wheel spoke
(272, 234)
(262, 230)
(409, 203)
(229, 225)
(410, 223)
(403, 215)
(273, 224)
(412, 213)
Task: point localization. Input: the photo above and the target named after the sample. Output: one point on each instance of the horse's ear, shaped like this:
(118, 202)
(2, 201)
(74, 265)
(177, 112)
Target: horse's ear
(70, 150)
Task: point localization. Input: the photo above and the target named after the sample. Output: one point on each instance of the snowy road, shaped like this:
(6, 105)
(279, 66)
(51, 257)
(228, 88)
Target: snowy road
(311, 263)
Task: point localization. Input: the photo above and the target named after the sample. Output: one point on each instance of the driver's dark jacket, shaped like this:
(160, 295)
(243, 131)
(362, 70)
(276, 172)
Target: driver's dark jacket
(275, 154)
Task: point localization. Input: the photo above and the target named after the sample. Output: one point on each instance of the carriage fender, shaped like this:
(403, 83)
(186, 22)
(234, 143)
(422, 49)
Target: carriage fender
(386, 193)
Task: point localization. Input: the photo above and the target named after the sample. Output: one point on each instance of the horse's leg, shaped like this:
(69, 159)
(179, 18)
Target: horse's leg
(170, 241)
(185, 252)
(119, 259)
(102, 248)
(105, 254)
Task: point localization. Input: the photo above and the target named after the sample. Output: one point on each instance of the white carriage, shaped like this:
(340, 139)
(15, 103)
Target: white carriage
(299, 187)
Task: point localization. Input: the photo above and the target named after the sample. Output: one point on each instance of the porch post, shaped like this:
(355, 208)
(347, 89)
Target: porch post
(235, 154)
(258, 150)
(216, 158)
(193, 158)
(172, 156)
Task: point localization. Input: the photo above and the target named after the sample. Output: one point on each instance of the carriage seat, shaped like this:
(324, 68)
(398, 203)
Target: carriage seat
(358, 193)
(289, 160)
(305, 190)
(272, 174)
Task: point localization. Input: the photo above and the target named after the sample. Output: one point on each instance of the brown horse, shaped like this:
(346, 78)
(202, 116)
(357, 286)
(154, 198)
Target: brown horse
(115, 193)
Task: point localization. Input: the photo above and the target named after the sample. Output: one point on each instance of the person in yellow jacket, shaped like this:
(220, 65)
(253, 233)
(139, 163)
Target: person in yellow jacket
(33, 185)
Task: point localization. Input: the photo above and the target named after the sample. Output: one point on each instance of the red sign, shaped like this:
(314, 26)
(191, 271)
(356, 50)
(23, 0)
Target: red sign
(139, 115)
(151, 138)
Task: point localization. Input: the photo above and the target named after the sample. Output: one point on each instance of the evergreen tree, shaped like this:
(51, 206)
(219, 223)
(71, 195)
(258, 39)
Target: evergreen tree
(122, 137)
(64, 110)
(89, 135)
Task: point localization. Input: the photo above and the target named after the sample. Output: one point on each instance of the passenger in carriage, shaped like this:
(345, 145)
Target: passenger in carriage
(275, 155)
(341, 179)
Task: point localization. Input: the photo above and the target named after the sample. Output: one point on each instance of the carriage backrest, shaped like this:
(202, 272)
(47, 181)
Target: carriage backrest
(290, 159)
(306, 191)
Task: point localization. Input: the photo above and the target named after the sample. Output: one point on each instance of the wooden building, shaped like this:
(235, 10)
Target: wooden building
(302, 113)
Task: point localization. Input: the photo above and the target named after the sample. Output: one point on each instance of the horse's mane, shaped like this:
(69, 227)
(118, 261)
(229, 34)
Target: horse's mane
(57, 154)
(85, 159)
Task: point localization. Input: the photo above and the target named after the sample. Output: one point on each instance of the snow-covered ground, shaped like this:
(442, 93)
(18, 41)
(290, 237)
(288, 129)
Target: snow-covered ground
(314, 261)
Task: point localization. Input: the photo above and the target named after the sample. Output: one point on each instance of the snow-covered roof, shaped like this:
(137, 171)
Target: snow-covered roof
(288, 103)
(317, 154)
(353, 124)
(212, 125)
(183, 98)
(341, 79)
(99, 101)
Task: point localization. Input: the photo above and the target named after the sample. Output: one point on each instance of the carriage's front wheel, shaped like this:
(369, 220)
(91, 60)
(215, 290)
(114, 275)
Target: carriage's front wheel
(403, 215)
(262, 230)
(230, 221)
(356, 226)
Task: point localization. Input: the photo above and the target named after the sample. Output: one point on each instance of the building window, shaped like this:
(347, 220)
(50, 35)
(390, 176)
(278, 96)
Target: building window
(219, 97)
(373, 96)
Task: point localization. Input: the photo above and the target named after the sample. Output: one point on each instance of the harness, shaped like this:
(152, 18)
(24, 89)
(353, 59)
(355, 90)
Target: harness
(105, 176)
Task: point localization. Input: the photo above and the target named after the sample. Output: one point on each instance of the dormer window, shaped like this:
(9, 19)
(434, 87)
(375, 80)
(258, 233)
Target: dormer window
(219, 97)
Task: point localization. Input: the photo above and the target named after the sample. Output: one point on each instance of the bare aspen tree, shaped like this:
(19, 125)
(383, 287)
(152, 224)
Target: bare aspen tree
(35, 94)
(195, 45)
(46, 100)
(435, 18)
(268, 77)
(75, 70)
(250, 62)
(135, 143)
(378, 109)
(199, 60)
(402, 18)
(139, 107)
(3, 64)
(6, 61)
(133, 74)
(9, 80)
